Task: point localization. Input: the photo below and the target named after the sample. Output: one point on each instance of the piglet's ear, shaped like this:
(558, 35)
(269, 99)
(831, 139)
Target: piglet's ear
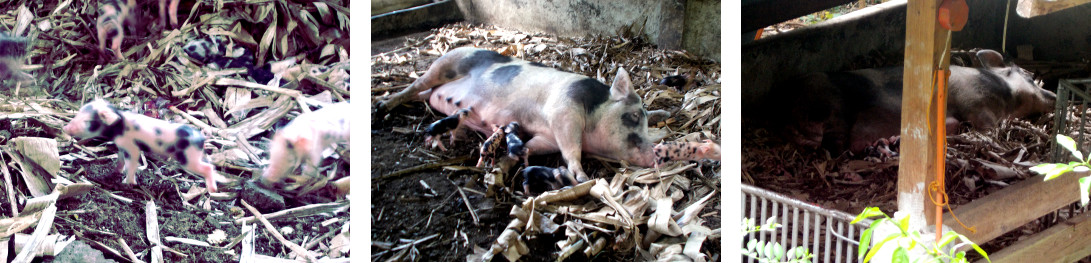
(108, 115)
(622, 85)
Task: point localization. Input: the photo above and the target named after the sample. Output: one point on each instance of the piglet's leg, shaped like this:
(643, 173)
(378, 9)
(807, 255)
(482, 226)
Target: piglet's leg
(281, 161)
(173, 10)
(194, 162)
(131, 155)
(163, 13)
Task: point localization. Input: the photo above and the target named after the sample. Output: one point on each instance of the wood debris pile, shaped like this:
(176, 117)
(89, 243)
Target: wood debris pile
(672, 215)
(305, 45)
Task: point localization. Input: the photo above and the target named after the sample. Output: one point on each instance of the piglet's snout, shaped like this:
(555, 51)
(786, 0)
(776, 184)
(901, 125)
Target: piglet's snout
(72, 129)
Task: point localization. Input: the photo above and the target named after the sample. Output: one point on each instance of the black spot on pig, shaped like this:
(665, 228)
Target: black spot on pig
(479, 61)
(124, 153)
(184, 132)
(95, 124)
(630, 119)
(448, 99)
(143, 146)
(136, 127)
(536, 64)
(633, 139)
(159, 142)
(458, 103)
(503, 75)
(632, 99)
(450, 74)
(114, 129)
(588, 93)
(158, 131)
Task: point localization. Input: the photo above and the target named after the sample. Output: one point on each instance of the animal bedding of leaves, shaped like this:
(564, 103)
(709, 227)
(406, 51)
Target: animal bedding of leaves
(421, 215)
(308, 39)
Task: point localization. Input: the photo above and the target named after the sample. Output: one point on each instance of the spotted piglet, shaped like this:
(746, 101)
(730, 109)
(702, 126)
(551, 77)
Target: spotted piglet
(135, 134)
(115, 16)
(686, 151)
(538, 179)
(448, 124)
(304, 139)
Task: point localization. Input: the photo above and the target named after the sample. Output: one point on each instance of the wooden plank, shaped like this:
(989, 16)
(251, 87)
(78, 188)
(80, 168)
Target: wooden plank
(1014, 206)
(925, 40)
(1032, 8)
(758, 14)
(1065, 242)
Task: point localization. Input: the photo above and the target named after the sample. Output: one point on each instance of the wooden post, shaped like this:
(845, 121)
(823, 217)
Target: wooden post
(925, 42)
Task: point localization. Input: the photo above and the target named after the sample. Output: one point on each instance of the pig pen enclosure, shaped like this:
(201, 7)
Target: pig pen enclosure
(69, 193)
(982, 166)
(433, 205)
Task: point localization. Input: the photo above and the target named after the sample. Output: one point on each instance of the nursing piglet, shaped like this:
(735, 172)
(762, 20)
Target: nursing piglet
(686, 151)
(538, 179)
(135, 134)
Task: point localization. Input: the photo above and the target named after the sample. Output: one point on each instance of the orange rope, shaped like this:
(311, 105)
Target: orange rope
(934, 188)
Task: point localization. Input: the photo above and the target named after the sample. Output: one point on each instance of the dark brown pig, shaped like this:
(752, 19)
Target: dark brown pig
(560, 111)
(854, 109)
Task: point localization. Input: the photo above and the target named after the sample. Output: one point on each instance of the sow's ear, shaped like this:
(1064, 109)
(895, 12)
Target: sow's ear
(991, 59)
(622, 85)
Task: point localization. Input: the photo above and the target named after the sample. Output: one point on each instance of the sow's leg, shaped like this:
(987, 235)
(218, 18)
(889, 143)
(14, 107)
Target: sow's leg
(440, 72)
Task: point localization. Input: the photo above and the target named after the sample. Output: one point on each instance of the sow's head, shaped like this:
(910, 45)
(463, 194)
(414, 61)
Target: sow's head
(616, 118)
(1030, 99)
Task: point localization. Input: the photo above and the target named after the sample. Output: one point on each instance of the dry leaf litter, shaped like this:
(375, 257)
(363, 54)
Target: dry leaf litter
(167, 217)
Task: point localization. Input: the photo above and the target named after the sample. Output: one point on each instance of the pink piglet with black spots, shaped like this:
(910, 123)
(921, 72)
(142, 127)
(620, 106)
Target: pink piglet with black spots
(686, 151)
(135, 134)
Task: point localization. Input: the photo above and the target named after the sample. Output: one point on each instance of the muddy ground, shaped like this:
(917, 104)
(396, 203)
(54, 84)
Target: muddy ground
(404, 210)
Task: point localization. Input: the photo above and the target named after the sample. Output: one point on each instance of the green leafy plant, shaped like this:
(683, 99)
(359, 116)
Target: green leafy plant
(907, 240)
(771, 251)
(1053, 170)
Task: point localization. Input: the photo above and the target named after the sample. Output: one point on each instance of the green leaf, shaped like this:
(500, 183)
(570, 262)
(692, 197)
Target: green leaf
(751, 245)
(769, 250)
(801, 253)
(947, 238)
(760, 248)
(904, 224)
(1080, 169)
(1057, 171)
(865, 242)
(1070, 144)
(868, 213)
(900, 256)
(976, 248)
(871, 253)
(778, 251)
(1085, 183)
(1044, 168)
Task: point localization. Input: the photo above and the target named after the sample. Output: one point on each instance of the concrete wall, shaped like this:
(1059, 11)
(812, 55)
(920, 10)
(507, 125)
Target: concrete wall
(871, 37)
(1060, 36)
(666, 22)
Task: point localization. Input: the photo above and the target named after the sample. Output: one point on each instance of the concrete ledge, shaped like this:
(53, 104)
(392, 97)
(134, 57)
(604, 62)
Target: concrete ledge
(414, 19)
